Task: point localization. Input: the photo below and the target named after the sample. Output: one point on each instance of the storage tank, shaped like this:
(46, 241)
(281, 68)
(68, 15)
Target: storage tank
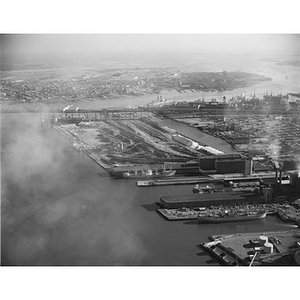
(263, 239)
(268, 247)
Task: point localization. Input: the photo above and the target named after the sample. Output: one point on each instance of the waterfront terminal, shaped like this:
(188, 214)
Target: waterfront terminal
(256, 248)
(210, 199)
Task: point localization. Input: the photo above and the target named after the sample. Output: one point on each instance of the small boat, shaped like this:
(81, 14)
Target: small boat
(217, 218)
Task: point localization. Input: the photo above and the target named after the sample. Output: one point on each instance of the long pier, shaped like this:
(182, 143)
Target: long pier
(174, 181)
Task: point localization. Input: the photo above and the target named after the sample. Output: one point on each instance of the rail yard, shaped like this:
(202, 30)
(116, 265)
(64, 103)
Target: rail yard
(131, 142)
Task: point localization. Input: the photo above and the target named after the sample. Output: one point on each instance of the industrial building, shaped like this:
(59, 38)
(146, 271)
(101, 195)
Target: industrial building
(226, 164)
(286, 188)
(283, 188)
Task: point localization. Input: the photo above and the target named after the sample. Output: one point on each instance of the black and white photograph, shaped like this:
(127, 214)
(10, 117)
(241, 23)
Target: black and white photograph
(172, 149)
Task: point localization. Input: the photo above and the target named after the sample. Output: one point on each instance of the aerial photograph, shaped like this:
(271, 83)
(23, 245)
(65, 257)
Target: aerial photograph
(150, 149)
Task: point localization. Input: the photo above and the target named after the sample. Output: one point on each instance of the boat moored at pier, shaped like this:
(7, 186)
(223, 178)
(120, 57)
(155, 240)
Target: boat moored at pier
(149, 173)
(222, 217)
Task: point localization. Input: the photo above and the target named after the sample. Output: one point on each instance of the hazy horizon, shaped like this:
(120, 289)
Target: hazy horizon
(33, 46)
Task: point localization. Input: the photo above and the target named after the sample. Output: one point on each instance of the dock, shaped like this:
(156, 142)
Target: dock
(174, 181)
(242, 249)
(227, 258)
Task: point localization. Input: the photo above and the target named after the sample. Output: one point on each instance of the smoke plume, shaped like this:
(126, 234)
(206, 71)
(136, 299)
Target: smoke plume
(274, 152)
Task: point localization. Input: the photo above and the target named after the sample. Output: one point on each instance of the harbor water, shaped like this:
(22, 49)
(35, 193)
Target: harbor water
(60, 208)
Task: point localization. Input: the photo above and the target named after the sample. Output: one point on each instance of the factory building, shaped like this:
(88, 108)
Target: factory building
(285, 188)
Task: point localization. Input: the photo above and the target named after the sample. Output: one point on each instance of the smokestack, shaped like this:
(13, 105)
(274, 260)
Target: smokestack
(280, 175)
(294, 178)
(276, 175)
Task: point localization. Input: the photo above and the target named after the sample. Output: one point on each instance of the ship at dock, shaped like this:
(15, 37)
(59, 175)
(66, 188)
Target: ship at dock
(149, 173)
(228, 216)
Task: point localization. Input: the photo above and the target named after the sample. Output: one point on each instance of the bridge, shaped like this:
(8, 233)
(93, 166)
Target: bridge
(104, 114)
(132, 113)
(167, 111)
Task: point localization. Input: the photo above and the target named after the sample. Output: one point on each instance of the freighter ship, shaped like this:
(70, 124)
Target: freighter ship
(149, 173)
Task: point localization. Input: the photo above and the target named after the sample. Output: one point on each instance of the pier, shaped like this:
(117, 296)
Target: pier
(209, 199)
(248, 249)
(174, 181)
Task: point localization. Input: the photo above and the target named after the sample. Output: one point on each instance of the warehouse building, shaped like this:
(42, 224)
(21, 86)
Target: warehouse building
(211, 199)
(226, 164)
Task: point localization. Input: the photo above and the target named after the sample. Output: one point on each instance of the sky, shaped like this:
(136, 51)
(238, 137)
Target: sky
(243, 44)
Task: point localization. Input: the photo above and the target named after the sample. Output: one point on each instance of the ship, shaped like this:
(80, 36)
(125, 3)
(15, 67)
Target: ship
(213, 105)
(149, 173)
(231, 217)
(161, 102)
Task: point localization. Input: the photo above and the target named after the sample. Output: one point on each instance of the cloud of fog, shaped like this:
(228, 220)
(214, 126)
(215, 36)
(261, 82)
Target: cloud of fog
(56, 210)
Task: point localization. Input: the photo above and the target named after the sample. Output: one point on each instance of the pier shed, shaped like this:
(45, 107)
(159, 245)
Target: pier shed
(213, 199)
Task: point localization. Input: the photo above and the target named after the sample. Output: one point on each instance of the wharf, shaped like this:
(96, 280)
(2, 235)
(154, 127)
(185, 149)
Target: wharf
(241, 247)
(174, 181)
